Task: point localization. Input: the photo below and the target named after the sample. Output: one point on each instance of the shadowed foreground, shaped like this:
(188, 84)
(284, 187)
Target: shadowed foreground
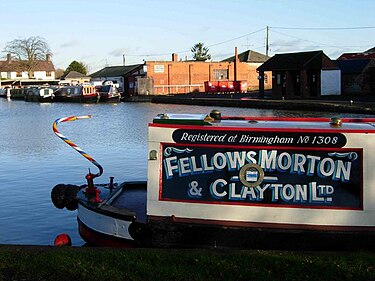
(50, 263)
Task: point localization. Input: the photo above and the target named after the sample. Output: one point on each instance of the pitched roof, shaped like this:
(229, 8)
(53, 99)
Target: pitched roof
(354, 66)
(113, 71)
(366, 55)
(369, 54)
(249, 56)
(18, 66)
(73, 75)
(370, 51)
(297, 61)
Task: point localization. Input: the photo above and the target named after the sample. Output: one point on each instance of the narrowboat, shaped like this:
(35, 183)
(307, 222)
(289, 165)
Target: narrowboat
(79, 93)
(108, 93)
(18, 93)
(237, 182)
(5, 92)
(39, 94)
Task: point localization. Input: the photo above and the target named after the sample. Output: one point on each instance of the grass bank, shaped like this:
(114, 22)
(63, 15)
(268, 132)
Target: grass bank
(49, 263)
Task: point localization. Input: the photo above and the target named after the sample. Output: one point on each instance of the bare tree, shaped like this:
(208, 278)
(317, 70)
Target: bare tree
(28, 51)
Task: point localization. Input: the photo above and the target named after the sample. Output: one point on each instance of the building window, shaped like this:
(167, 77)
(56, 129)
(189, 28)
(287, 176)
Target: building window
(220, 74)
(19, 74)
(48, 74)
(278, 78)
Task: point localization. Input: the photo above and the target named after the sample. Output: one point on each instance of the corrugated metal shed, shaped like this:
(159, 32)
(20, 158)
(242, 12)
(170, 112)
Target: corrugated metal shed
(113, 71)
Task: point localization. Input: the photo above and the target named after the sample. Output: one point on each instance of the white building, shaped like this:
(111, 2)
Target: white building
(17, 70)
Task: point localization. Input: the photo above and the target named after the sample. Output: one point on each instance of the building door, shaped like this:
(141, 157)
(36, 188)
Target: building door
(313, 83)
(297, 84)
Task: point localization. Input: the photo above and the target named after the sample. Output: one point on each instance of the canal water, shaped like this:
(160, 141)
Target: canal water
(33, 160)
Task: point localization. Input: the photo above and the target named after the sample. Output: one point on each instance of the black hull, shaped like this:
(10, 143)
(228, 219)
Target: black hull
(177, 233)
(76, 99)
(67, 99)
(89, 99)
(38, 99)
(17, 98)
(129, 209)
(184, 235)
(110, 100)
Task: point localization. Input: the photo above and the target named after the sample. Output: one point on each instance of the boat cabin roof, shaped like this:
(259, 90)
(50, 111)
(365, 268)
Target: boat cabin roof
(265, 123)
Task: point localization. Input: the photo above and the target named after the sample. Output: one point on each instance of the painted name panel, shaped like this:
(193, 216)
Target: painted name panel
(264, 176)
(254, 138)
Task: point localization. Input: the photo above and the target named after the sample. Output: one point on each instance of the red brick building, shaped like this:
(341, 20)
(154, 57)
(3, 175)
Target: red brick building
(177, 76)
(180, 77)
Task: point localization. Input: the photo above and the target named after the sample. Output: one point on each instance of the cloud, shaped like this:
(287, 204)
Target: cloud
(294, 45)
(117, 52)
(221, 56)
(71, 43)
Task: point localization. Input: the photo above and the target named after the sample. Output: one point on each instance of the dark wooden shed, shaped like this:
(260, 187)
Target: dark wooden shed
(301, 75)
(357, 76)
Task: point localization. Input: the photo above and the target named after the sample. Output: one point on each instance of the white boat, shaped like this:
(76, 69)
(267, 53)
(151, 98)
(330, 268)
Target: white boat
(239, 182)
(108, 93)
(4, 92)
(39, 94)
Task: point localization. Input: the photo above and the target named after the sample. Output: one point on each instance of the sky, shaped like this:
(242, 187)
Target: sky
(103, 33)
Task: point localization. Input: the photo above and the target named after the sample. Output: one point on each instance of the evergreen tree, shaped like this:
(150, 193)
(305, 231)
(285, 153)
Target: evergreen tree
(76, 66)
(200, 52)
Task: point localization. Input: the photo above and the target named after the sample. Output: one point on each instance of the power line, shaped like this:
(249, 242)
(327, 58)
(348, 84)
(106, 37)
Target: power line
(324, 28)
(315, 42)
(272, 28)
(239, 37)
(209, 46)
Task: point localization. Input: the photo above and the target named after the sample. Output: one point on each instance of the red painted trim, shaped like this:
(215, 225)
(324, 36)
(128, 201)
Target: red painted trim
(282, 226)
(261, 147)
(299, 119)
(258, 129)
(160, 170)
(262, 205)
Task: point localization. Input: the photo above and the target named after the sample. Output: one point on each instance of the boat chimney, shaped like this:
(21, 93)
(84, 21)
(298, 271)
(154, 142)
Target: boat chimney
(215, 114)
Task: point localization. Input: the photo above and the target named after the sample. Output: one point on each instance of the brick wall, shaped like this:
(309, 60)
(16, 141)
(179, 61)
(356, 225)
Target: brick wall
(176, 77)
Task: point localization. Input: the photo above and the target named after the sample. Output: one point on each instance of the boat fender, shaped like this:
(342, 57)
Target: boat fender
(71, 200)
(140, 233)
(62, 239)
(65, 195)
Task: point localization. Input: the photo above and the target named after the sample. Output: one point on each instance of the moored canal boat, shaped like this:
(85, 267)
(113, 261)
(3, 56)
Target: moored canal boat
(108, 93)
(79, 93)
(39, 94)
(239, 182)
(5, 92)
(18, 93)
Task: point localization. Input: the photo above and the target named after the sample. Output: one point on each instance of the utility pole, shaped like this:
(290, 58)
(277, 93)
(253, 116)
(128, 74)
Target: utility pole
(267, 46)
